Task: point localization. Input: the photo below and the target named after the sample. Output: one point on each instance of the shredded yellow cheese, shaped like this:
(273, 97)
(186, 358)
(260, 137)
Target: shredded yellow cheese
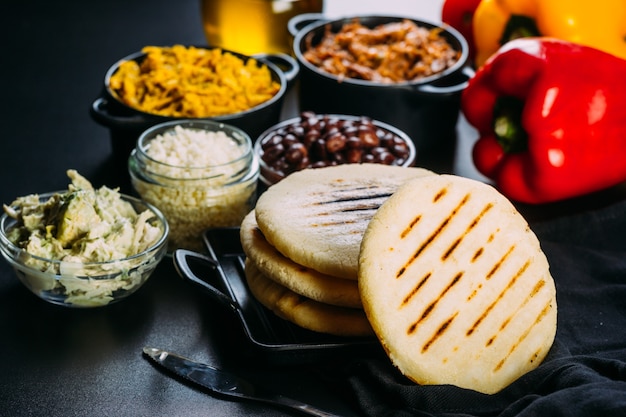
(191, 82)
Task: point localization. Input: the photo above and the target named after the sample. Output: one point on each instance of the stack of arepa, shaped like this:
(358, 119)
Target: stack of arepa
(302, 243)
(442, 269)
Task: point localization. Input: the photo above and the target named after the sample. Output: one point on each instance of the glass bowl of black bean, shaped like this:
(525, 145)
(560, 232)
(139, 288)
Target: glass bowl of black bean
(317, 140)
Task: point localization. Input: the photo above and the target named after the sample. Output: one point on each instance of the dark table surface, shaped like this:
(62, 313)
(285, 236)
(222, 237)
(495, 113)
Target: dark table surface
(56, 361)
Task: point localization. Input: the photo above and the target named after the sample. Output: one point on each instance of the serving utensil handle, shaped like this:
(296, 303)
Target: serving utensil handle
(181, 263)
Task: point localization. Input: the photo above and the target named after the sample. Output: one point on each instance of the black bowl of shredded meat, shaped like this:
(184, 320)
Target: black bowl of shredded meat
(405, 72)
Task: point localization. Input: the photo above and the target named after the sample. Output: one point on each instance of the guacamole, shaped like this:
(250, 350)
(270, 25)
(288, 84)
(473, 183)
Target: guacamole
(80, 227)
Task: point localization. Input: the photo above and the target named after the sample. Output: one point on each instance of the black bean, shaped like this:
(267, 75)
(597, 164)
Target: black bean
(290, 139)
(319, 149)
(353, 156)
(311, 136)
(335, 142)
(353, 142)
(296, 153)
(273, 140)
(273, 154)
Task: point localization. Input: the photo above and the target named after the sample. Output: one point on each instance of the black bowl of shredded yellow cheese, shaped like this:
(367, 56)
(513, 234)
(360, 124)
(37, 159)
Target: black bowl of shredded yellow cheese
(159, 84)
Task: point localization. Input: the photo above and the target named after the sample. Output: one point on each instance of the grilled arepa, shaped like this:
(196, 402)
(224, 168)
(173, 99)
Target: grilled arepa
(303, 311)
(299, 279)
(317, 217)
(456, 286)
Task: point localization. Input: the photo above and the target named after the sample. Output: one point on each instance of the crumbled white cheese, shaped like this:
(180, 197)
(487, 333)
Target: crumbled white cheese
(194, 154)
(189, 148)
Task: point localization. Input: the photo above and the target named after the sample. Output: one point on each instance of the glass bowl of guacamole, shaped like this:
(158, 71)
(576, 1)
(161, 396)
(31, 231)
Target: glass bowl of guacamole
(82, 247)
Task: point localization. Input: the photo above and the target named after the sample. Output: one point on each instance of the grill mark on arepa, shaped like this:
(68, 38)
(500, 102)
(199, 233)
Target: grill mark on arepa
(477, 254)
(351, 209)
(358, 215)
(500, 296)
(481, 250)
(410, 227)
(360, 208)
(470, 227)
(474, 292)
(340, 221)
(433, 236)
(535, 290)
(440, 331)
(352, 198)
(364, 205)
(542, 314)
(434, 303)
(498, 264)
(451, 249)
(440, 194)
(414, 291)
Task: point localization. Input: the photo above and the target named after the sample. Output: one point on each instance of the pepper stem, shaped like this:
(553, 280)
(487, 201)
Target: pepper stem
(519, 26)
(507, 125)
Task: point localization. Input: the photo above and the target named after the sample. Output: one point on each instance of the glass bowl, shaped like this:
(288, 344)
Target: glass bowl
(85, 284)
(199, 173)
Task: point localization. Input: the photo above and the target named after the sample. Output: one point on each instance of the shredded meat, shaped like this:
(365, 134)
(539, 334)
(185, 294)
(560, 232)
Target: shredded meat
(390, 53)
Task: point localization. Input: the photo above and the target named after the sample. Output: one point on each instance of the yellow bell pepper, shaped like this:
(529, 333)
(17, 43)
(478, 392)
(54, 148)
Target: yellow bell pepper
(600, 24)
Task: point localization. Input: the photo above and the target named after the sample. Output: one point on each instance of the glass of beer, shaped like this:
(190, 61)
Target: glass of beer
(253, 26)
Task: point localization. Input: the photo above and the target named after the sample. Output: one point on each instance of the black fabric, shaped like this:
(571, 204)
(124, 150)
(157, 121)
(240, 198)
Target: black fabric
(585, 371)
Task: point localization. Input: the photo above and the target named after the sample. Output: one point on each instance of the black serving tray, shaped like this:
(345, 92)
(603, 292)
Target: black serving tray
(224, 281)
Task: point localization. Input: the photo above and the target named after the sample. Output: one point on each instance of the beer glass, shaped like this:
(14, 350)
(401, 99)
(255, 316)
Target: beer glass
(253, 26)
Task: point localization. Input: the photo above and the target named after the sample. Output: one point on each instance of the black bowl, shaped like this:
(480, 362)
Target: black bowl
(426, 109)
(126, 123)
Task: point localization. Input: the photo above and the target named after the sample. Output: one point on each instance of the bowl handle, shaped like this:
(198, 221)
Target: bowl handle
(286, 63)
(100, 113)
(180, 258)
(297, 22)
(448, 89)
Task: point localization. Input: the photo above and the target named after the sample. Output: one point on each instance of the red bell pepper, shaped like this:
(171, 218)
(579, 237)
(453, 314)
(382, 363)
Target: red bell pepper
(552, 119)
(460, 14)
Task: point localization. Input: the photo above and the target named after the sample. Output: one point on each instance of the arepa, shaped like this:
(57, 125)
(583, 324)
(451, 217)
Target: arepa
(317, 217)
(456, 286)
(304, 312)
(299, 279)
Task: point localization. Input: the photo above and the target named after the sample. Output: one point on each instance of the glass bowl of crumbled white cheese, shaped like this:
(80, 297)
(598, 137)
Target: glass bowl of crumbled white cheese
(82, 247)
(199, 173)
